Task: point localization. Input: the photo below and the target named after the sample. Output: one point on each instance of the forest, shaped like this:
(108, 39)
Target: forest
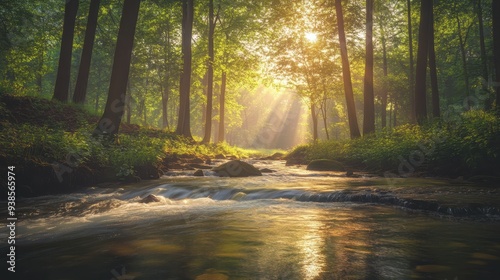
(389, 75)
(365, 136)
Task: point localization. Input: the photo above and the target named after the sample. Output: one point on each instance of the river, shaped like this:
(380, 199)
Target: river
(291, 224)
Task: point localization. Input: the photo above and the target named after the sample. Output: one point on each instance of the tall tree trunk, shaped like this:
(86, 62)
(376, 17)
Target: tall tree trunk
(433, 70)
(463, 56)
(183, 123)
(210, 72)
(422, 54)
(395, 118)
(383, 111)
(369, 101)
(324, 110)
(61, 88)
(495, 6)
(164, 106)
(113, 112)
(411, 74)
(314, 116)
(222, 108)
(166, 92)
(346, 74)
(484, 62)
(88, 44)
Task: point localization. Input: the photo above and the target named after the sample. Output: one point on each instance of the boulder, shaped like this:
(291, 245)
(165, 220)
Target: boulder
(325, 165)
(198, 173)
(236, 168)
(150, 198)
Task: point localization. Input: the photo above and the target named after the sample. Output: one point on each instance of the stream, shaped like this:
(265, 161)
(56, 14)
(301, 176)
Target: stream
(290, 224)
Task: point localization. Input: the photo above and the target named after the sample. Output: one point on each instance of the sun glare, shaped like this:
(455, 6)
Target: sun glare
(311, 37)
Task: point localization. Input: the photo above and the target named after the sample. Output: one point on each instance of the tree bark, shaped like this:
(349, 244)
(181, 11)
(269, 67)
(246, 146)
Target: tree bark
(222, 108)
(411, 74)
(88, 45)
(436, 113)
(484, 61)
(422, 54)
(369, 101)
(210, 72)
(463, 56)
(61, 88)
(110, 121)
(346, 74)
(183, 123)
(383, 112)
(495, 6)
(314, 116)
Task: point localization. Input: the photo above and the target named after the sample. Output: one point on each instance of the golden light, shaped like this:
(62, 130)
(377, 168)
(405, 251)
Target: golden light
(311, 37)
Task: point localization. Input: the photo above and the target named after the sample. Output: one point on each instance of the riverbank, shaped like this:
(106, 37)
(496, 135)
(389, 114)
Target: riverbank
(51, 147)
(464, 146)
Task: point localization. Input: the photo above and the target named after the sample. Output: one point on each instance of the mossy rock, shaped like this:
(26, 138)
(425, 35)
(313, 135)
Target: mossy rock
(236, 168)
(325, 165)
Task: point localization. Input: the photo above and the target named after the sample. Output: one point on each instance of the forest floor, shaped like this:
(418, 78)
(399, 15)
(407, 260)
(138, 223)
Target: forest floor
(51, 147)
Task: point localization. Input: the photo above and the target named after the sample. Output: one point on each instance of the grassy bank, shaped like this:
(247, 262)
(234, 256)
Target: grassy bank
(467, 145)
(52, 148)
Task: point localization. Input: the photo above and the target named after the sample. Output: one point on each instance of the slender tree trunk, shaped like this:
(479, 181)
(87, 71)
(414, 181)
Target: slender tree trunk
(183, 123)
(164, 106)
(463, 56)
(433, 71)
(88, 44)
(383, 113)
(395, 118)
(324, 110)
(325, 123)
(61, 88)
(113, 112)
(411, 74)
(222, 108)
(369, 100)
(495, 6)
(484, 62)
(166, 93)
(314, 116)
(422, 54)
(346, 74)
(210, 72)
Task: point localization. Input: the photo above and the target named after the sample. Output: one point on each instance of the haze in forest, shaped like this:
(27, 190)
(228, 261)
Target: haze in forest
(264, 74)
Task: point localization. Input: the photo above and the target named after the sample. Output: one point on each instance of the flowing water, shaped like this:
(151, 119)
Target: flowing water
(291, 224)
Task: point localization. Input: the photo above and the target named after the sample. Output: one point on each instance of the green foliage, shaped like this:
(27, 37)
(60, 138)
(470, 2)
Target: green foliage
(470, 144)
(63, 135)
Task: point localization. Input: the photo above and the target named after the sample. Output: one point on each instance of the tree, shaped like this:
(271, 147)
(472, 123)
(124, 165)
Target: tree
(463, 52)
(369, 101)
(222, 108)
(422, 54)
(346, 74)
(88, 45)
(411, 74)
(433, 71)
(64, 70)
(110, 121)
(183, 123)
(212, 20)
(495, 6)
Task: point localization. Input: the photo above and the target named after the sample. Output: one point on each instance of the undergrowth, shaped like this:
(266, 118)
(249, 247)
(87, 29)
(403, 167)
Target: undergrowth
(469, 144)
